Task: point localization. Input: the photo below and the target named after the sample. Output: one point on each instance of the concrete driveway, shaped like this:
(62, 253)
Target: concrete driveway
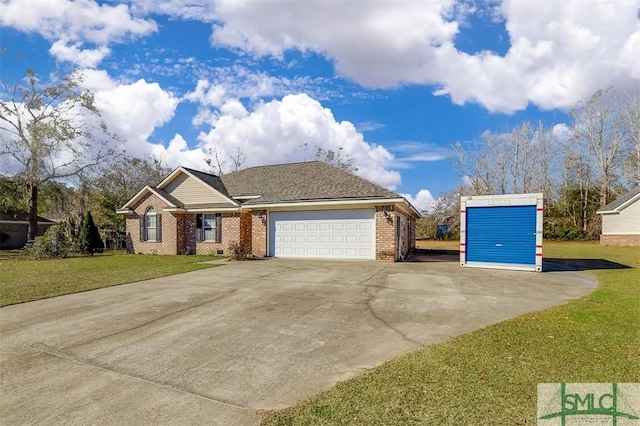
(213, 346)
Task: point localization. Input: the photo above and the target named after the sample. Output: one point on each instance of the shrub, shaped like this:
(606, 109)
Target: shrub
(54, 243)
(239, 251)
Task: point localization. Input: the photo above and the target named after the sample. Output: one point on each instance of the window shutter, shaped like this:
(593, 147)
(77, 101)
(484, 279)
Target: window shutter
(199, 228)
(158, 228)
(218, 228)
(142, 228)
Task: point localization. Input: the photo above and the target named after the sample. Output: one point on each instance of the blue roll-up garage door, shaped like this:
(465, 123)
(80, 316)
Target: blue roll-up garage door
(501, 234)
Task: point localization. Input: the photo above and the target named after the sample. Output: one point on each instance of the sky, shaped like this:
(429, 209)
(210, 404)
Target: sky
(391, 84)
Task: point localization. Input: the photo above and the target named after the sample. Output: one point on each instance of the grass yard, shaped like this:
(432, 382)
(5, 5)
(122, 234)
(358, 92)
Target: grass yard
(489, 377)
(24, 280)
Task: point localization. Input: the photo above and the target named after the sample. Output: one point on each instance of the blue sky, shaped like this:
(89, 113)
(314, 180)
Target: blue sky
(394, 83)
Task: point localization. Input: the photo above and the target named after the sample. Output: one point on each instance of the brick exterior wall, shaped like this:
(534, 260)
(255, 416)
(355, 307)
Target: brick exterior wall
(230, 234)
(245, 229)
(259, 233)
(168, 245)
(186, 234)
(179, 232)
(620, 240)
(386, 242)
(387, 235)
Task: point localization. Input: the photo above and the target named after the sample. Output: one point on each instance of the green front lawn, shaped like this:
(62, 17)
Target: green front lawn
(489, 377)
(27, 280)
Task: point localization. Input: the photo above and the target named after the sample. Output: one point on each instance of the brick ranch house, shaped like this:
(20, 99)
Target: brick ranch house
(308, 209)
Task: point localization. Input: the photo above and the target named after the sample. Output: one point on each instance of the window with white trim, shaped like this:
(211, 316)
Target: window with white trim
(209, 227)
(151, 226)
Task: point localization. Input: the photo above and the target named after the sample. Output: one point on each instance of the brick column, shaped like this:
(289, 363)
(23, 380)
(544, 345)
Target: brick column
(246, 229)
(259, 233)
(386, 240)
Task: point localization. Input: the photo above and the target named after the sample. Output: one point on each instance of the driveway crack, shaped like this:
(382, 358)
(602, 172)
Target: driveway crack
(42, 347)
(161, 317)
(369, 290)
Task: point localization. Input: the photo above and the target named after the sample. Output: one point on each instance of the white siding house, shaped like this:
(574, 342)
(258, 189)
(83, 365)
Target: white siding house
(621, 221)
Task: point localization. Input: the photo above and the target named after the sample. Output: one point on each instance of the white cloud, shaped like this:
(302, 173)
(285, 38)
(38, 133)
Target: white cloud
(378, 43)
(561, 133)
(560, 52)
(203, 10)
(409, 152)
(278, 131)
(133, 110)
(69, 24)
(292, 129)
(178, 153)
(87, 58)
(422, 201)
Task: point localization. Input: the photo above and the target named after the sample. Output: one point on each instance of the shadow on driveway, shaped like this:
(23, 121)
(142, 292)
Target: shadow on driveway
(560, 264)
(548, 264)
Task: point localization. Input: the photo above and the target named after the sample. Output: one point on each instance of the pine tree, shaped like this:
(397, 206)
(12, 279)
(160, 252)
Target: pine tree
(89, 241)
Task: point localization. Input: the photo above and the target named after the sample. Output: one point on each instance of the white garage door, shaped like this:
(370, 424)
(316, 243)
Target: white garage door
(342, 234)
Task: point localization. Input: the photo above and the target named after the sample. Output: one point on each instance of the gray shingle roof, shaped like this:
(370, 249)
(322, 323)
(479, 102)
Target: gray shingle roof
(612, 206)
(298, 182)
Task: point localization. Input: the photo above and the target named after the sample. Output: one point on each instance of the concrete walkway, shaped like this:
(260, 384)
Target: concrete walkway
(215, 345)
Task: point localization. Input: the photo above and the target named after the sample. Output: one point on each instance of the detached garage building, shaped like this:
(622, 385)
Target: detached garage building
(305, 210)
(502, 231)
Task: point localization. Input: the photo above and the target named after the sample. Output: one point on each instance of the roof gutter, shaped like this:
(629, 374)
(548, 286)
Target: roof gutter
(371, 201)
(202, 209)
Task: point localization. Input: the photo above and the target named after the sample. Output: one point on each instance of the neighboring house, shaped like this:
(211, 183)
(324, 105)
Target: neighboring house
(309, 209)
(621, 221)
(14, 228)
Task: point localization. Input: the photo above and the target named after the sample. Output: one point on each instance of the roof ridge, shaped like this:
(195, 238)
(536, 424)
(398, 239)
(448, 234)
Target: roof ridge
(199, 171)
(277, 165)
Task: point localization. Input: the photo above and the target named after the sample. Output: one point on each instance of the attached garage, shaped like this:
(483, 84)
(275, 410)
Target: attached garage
(503, 231)
(337, 234)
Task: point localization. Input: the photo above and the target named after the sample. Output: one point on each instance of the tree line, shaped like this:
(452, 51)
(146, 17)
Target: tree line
(579, 168)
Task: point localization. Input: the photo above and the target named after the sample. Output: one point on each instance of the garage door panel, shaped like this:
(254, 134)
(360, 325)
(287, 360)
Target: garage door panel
(501, 234)
(330, 233)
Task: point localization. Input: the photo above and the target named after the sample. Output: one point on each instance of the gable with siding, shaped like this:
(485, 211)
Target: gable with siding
(193, 191)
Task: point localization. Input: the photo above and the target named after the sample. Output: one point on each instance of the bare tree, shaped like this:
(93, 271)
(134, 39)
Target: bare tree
(51, 132)
(337, 158)
(217, 162)
(631, 149)
(515, 161)
(598, 124)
